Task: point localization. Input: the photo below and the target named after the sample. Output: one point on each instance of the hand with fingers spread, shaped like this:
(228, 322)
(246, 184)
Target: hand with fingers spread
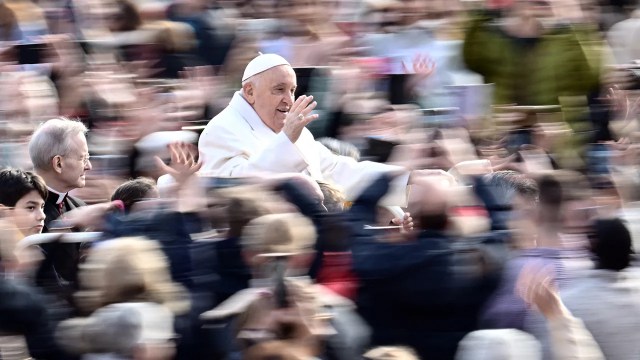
(299, 116)
(183, 162)
(422, 67)
(536, 287)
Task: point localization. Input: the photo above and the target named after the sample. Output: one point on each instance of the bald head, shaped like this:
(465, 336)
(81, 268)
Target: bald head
(428, 203)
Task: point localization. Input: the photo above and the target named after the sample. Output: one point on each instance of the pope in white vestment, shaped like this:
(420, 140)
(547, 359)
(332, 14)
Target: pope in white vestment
(238, 143)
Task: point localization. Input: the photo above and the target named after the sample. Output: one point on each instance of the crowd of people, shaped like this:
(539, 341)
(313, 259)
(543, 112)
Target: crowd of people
(377, 179)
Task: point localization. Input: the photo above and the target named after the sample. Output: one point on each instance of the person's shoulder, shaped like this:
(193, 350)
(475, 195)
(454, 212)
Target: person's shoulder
(75, 201)
(227, 119)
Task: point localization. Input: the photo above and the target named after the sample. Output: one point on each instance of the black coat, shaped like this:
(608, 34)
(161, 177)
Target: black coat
(58, 272)
(23, 312)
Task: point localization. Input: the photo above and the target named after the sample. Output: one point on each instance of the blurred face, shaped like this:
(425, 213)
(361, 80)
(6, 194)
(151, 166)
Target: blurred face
(271, 95)
(301, 10)
(522, 223)
(28, 214)
(536, 9)
(75, 164)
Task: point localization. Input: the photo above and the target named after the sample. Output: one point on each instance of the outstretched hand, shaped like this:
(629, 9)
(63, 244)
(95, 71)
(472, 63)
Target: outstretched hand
(183, 162)
(536, 287)
(422, 66)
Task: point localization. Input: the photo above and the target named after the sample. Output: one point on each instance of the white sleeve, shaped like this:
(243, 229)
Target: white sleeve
(226, 152)
(570, 340)
(354, 177)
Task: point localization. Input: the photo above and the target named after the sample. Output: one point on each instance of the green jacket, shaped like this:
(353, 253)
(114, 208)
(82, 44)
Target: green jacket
(537, 73)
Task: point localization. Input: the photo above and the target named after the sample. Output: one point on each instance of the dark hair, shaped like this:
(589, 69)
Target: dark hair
(133, 191)
(556, 190)
(506, 184)
(551, 191)
(8, 22)
(611, 244)
(562, 186)
(128, 16)
(434, 221)
(15, 184)
(241, 212)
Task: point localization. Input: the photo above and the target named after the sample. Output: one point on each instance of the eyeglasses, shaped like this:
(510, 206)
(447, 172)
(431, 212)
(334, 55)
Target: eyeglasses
(85, 159)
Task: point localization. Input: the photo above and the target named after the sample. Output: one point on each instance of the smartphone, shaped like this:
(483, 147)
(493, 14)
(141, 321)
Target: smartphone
(379, 149)
(440, 117)
(34, 53)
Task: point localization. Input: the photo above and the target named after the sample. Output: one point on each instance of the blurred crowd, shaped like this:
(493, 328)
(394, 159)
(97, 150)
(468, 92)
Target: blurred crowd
(133, 226)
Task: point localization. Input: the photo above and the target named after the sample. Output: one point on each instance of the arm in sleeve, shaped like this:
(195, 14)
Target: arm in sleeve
(354, 176)
(298, 197)
(225, 152)
(570, 339)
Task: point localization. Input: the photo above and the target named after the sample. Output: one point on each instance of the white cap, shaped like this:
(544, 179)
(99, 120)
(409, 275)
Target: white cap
(263, 62)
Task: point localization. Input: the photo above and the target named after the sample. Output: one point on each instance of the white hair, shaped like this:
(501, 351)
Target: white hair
(51, 139)
(255, 80)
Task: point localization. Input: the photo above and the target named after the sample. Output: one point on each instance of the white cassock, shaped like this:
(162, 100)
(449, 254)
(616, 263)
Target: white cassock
(236, 143)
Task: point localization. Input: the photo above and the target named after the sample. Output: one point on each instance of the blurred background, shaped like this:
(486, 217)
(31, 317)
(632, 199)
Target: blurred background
(510, 72)
(472, 87)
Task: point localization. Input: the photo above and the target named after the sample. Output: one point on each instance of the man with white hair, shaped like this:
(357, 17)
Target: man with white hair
(60, 155)
(262, 130)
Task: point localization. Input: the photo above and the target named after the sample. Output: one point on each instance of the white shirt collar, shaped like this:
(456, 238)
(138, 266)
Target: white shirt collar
(247, 112)
(61, 196)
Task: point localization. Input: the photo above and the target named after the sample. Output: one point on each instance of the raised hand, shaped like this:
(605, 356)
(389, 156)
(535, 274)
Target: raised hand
(535, 286)
(299, 116)
(421, 66)
(183, 162)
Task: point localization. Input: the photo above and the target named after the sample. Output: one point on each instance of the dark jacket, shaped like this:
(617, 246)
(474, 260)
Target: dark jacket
(233, 271)
(410, 293)
(171, 229)
(58, 272)
(23, 312)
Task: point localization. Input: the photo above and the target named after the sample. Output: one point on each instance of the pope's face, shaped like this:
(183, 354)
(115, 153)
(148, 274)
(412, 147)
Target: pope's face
(272, 95)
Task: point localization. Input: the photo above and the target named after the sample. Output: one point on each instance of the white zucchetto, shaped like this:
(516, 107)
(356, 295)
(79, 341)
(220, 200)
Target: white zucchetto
(263, 62)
